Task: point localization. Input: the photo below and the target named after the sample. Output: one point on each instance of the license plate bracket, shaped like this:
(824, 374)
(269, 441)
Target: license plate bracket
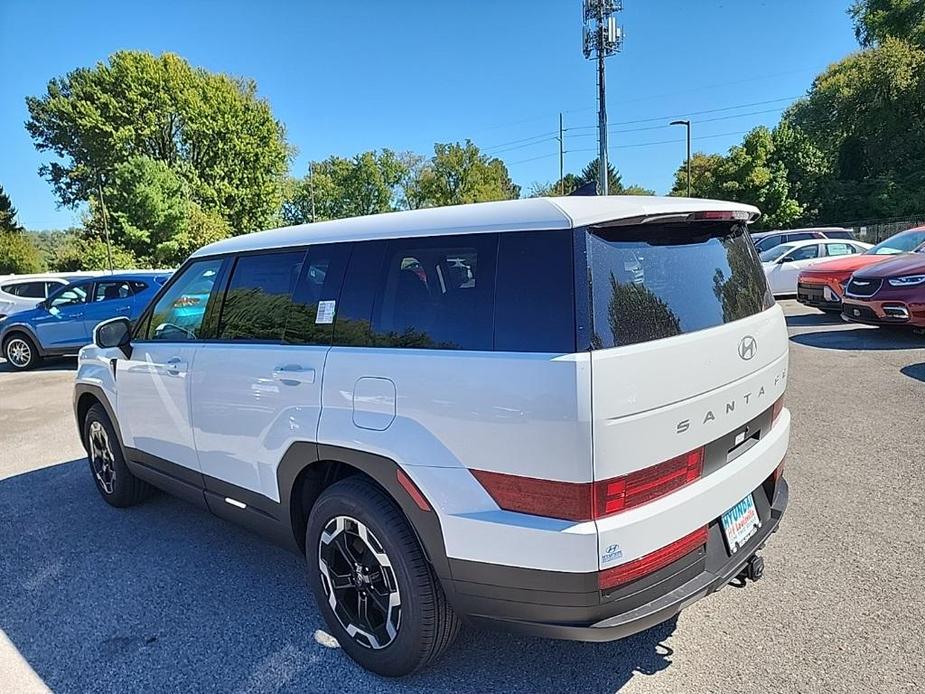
(740, 523)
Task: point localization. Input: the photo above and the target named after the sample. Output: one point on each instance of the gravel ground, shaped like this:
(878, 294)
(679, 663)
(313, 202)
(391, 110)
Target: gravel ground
(165, 597)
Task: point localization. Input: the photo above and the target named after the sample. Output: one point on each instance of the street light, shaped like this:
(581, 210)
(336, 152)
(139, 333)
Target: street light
(686, 124)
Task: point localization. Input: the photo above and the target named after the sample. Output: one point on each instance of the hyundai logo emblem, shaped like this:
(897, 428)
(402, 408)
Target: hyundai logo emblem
(748, 347)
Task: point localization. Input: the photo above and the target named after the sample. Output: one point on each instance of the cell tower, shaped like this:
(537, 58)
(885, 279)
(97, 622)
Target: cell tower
(602, 37)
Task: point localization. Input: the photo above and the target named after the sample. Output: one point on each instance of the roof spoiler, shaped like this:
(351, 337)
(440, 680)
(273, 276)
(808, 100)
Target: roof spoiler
(700, 216)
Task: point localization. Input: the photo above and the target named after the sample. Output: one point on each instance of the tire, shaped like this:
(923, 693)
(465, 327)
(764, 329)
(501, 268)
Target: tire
(359, 514)
(20, 352)
(115, 482)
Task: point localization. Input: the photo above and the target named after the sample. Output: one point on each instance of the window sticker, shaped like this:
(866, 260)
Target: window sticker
(325, 313)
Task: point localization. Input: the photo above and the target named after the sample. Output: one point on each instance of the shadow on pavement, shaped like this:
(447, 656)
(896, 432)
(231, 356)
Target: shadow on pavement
(916, 371)
(811, 319)
(49, 364)
(165, 597)
(862, 338)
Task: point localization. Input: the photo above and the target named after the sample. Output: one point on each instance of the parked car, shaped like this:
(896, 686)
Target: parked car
(64, 322)
(21, 292)
(472, 412)
(823, 286)
(889, 293)
(783, 264)
(766, 240)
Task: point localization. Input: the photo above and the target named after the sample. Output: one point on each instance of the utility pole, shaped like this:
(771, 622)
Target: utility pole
(686, 124)
(561, 157)
(105, 227)
(602, 38)
(311, 187)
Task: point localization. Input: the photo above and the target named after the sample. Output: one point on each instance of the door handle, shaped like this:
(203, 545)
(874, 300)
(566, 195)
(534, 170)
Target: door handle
(175, 366)
(293, 374)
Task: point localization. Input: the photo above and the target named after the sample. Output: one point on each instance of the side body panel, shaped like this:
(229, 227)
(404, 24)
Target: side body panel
(251, 402)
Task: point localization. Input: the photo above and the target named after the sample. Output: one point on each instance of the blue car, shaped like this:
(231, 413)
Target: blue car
(64, 322)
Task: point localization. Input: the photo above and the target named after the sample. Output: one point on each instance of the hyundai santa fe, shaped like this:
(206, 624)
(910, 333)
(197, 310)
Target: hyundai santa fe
(559, 417)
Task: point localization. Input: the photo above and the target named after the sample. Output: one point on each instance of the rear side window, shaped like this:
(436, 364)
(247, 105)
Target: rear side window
(839, 249)
(113, 289)
(535, 293)
(768, 242)
(654, 281)
(259, 296)
(355, 308)
(803, 235)
(437, 293)
(839, 234)
(314, 306)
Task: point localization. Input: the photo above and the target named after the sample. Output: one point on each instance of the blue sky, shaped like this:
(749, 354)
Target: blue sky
(347, 77)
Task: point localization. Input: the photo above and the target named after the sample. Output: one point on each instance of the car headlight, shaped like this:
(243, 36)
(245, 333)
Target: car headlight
(907, 281)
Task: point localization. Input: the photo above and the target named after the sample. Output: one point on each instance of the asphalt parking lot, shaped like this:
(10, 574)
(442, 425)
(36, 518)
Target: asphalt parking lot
(164, 597)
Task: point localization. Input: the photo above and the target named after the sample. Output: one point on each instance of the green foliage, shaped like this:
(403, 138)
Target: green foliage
(211, 129)
(866, 116)
(637, 190)
(460, 173)
(590, 174)
(877, 20)
(7, 214)
(82, 252)
(751, 173)
(337, 187)
(18, 254)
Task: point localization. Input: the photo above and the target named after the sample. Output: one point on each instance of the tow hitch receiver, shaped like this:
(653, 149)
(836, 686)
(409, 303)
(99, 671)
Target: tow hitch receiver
(753, 569)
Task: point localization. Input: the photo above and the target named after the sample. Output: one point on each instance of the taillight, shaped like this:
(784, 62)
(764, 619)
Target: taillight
(652, 562)
(584, 501)
(776, 409)
(719, 215)
(778, 471)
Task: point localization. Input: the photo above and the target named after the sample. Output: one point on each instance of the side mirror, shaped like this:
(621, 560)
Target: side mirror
(784, 259)
(116, 332)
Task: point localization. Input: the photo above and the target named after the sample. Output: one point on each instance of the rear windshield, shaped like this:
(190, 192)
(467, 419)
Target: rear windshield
(650, 281)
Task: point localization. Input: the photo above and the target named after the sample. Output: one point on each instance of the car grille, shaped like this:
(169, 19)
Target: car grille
(810, 292)
(863, 287)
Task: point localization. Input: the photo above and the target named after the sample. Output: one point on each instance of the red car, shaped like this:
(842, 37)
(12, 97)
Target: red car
(822, 285)
(888, 293)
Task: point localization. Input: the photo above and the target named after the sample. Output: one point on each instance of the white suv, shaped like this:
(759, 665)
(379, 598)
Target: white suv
(560, 416)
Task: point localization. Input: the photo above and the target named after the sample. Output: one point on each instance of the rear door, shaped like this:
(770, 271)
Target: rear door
(693, 351)
(110, 298)
(257, 387)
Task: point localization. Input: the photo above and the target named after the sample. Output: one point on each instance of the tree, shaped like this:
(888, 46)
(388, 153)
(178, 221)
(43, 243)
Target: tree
(211, 129)
(18, 254)
(84, 252)
(460, 173)
(637, 190)
(590, 174)
(877, 20)
(7, 214)
(749, 173)
(866, 116)
(337, 187)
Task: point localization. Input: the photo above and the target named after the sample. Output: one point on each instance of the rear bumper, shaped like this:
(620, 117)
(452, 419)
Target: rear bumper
(570, 606)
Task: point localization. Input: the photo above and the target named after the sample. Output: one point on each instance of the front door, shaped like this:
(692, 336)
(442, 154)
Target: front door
(783, 277)
(153, 385)
(258, 389)
(60, 325)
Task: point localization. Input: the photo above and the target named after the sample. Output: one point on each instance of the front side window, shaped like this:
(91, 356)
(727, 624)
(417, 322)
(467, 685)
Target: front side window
(70, 295)
(437, 293)
(772, 254)
(839, 249)
(652, 281)
(803, 253)
(107, 291)
(259, 296)
(178, 314)
(768, 242)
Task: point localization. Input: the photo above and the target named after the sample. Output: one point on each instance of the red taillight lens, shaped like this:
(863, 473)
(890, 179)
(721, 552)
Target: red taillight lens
(778, 471)
(652, 562)
(776, 409)
(567, 500)
(643, 486)
(586, 501)
(719, 215)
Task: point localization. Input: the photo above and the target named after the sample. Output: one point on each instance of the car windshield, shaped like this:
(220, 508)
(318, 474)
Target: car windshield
(904, 242)
(770, 255)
